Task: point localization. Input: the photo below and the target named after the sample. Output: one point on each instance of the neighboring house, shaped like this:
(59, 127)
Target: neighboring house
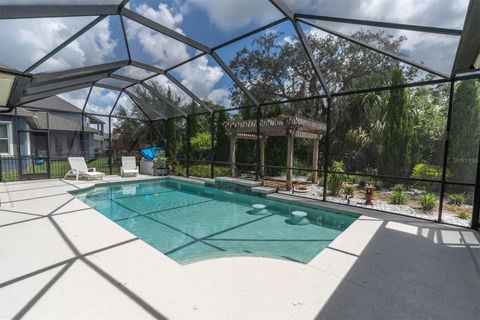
(28, 135)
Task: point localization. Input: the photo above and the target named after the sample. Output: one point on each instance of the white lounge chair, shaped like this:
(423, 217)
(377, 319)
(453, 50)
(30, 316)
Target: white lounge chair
(129, 167)
(80, 170)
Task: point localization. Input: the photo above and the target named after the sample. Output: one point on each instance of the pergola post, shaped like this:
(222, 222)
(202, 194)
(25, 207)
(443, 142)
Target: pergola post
(263, 140)
(315, 161)
(232, 160)
(290, 139)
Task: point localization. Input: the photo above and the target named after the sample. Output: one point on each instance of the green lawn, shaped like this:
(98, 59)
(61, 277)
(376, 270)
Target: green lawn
(60, 167)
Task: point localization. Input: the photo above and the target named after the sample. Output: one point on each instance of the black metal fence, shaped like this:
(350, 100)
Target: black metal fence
(30, 167)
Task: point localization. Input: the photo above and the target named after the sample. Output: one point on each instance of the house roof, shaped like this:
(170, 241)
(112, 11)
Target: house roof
(56, 103)
(37, 119)
(59, 123)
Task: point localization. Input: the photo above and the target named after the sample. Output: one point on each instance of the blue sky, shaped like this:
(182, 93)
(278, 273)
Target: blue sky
(212, 22)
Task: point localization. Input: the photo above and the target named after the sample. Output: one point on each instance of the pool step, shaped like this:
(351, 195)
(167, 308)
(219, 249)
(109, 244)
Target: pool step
(240, 185)
(242, 182)
(263, 190)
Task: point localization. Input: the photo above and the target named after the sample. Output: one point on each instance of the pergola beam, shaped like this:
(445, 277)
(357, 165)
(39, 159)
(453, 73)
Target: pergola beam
(51, 11)
(379, 24)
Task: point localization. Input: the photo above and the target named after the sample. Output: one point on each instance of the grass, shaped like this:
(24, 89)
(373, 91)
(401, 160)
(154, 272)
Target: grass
(58, 169)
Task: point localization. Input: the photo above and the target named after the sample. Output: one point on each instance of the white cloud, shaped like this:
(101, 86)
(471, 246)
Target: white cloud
(229, 15)
(25, 41)
(126, 103)
(134, 72)
(163, 15)
(289, 39)
(199, 77)
(220, 97)
(440, 13)
(95, 46)
(101, 101)
(432, 50)
(77, 97)
(162, 50)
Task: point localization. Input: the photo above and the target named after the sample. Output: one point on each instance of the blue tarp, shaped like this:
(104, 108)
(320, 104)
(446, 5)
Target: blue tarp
(149, 154)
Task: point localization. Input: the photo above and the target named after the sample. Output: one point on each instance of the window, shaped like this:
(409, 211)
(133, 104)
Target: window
(6, 143)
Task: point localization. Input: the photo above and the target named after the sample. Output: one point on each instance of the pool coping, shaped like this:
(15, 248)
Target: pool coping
(349, 234)
(358, 213)
(366, 262)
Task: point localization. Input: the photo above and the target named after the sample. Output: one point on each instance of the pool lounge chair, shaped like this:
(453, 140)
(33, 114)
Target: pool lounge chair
(80, 170)
(129, 167)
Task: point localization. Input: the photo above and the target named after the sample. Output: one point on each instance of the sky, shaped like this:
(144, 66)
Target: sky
(211, 22)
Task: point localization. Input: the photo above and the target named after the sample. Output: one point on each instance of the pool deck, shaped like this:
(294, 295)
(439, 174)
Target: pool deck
(61, 259)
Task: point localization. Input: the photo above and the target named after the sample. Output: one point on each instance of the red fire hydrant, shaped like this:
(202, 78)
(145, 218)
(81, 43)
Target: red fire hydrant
(369, 194)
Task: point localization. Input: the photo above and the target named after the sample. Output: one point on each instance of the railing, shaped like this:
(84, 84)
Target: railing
(29, 167)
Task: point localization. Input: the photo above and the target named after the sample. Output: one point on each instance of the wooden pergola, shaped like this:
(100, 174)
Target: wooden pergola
(289, 126)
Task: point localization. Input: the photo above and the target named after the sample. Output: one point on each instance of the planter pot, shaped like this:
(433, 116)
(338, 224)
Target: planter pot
(161, 171)
(146, 167)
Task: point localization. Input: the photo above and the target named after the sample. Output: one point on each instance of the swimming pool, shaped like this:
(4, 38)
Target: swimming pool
(190, 222)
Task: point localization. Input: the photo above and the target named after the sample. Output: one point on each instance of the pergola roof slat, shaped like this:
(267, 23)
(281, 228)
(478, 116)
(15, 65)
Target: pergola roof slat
(281, 126)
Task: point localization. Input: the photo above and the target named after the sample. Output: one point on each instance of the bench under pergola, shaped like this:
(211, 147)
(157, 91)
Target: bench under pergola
(289, 126)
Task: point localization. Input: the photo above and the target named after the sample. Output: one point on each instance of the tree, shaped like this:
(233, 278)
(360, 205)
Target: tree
(133, 133)
(222, 147)
(465, 131)
(398, 133)
(200, 145)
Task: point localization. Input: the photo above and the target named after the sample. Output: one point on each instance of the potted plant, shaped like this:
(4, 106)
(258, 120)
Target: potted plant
(161, 164)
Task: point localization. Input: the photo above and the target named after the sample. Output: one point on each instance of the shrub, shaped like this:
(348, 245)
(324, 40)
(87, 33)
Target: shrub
(362, 181)
(161, 159)
(203, 171)
(348, 191)
(398, 197)
(427, 171)
(398, 188)
(456, 199)
(427, 201)
(353, 179)
(463, 215)
(335, 180)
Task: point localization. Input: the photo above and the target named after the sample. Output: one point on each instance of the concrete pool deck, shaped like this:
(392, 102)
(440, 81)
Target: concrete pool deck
(61, 259)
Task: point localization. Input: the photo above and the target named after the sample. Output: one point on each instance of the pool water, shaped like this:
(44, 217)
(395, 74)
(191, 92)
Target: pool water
(190, 222)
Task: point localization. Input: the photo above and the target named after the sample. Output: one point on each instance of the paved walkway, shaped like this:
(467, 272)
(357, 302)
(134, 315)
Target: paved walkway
(61, 259)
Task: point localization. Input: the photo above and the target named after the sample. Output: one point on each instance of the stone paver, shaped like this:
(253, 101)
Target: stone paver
(61, 259)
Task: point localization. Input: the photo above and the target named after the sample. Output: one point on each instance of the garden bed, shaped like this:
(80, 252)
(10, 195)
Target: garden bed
(381, 202)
